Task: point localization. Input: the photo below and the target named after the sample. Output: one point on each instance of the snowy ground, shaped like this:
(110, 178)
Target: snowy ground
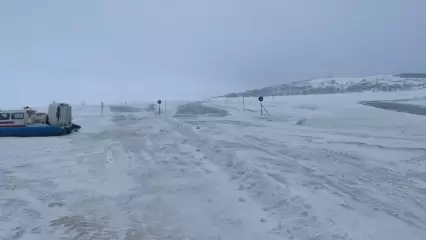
(320, 167)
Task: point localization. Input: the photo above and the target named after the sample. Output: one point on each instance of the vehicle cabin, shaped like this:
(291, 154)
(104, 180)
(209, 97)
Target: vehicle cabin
(14, 118)
(39, 117)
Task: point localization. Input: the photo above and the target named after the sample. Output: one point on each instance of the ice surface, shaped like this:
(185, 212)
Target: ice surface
(319, 167)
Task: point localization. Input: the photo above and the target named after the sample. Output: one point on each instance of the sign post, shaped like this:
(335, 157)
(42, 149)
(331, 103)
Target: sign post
(102, 108)
(159, 107)
(262, 107)
(243, 105)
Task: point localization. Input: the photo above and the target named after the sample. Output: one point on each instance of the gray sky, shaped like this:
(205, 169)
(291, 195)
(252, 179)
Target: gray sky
(187, 49)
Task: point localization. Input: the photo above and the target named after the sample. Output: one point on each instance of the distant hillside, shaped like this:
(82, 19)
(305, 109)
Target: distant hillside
(385, 83)
(412, 75)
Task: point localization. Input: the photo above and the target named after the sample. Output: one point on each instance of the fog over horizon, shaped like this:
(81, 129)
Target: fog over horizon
(144, 50)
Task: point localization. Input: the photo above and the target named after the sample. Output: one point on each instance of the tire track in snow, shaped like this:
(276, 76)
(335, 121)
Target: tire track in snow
(370, 191)
(187, 196)
(293, 216)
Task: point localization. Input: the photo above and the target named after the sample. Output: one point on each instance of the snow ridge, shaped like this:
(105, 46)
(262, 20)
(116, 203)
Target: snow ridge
(379, 83)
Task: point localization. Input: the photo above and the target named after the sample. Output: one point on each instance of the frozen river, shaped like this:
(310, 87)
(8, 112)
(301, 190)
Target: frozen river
(320, 167)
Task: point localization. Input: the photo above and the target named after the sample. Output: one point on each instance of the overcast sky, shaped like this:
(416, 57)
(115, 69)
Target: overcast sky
(146, 50)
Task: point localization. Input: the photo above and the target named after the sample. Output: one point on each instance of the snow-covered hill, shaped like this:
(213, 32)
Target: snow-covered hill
(382, 83)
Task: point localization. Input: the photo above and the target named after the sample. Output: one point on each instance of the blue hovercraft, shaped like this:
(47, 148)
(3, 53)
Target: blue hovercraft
(30, 123)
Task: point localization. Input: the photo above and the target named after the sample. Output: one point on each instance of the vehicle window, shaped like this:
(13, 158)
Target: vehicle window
(17, 116)
(4, 116)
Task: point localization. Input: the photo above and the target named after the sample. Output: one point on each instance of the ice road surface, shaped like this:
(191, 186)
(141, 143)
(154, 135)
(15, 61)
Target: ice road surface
(320, 167)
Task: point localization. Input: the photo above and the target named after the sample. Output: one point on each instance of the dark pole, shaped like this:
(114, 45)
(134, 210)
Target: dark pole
(159, 107)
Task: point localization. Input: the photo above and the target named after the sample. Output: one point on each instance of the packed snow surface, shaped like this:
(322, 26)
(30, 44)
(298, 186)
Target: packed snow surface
(319, 167)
